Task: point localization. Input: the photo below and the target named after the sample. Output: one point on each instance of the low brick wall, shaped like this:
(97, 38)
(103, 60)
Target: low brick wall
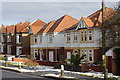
(96, 68)
(88, 67)
(20, 60)
(48, 63)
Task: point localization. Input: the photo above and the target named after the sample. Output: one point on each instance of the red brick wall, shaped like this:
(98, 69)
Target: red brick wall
(109, 63)
(20, 60)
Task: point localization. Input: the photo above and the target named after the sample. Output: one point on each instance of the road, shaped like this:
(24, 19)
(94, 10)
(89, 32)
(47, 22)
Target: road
(10, 75)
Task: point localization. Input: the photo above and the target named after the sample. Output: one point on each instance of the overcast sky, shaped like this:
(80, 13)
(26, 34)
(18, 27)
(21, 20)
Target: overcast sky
(14, 12)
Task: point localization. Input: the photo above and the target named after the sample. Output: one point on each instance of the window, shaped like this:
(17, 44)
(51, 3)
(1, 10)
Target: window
(41, 54)
(19, 38)
(84, 55)
(9, 37)
(3, 48)
(0, 48)
(68, 37)
(50, 37)
(90, 38)
(3, 38)
(75, 36)
(19, 51)
(82, 36)
(40, 38)
(36, 54)
(9, 49)
(35, 39)
(85, 36)
(90, 55)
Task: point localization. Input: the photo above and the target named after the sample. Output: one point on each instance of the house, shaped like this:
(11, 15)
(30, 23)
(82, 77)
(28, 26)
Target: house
(47, 44)
(60, 38)
(14, 39)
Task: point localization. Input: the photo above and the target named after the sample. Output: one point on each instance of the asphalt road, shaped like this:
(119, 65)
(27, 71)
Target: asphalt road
(10, 75)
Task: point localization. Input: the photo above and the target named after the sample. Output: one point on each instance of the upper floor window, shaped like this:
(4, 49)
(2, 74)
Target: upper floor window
(40, 38)
(86, 35)
(9, 38)
(35, 39)
(19, 38)
(3, 38)
(90, 38)
(75, 36)
(50, 37)
(68, 37)
(82, 36)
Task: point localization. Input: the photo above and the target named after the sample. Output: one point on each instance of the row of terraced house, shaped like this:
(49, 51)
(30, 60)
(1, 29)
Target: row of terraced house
(56, 40)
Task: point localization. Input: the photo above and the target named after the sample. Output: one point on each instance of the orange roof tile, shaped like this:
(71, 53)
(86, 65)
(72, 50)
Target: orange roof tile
(96, 17)
(88, 21)
(37, 26)
(60, 24)
(36, 29)
(38, 22)
(22, 26)
(48, 26)
(25, 30)
(3, 29)
(10, 29)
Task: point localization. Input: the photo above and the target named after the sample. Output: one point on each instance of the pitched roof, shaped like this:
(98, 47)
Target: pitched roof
(60, 24)
(48, 26)
(37, 26)
(10, 29)
(38, 22)
(22, 26)
(96, 17)
(3, 29)
(88, 21)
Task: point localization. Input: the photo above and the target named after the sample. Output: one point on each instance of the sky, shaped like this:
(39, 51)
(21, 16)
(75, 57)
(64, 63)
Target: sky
(15, 12)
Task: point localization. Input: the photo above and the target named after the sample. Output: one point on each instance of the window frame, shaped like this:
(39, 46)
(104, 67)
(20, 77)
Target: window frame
(68, 37)
(91, 55)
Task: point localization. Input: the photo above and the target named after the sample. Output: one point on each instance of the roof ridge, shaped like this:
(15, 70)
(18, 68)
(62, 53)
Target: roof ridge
(56, 24)
(94, 13)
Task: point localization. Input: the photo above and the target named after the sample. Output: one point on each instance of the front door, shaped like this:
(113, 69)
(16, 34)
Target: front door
(41, 53)
(68, 57)
(51, 56)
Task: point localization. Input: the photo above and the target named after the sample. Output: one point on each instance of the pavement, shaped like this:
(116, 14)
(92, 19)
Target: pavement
(49, 72)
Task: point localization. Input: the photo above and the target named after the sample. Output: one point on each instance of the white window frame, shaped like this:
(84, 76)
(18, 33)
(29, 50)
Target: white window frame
(90, 33)
(9, 49)
(68, 57)
(35, 39)
(50, 37)
(40, 38)
(18, 51)
(75, 37)
(18, 38)
(51, 56)
(68, 38)
(92, 53)
(35, 52)
(3, 38)
(41, 53)
(9, 38)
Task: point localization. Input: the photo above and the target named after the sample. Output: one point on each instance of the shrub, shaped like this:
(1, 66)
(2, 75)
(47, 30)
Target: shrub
(31, 63)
